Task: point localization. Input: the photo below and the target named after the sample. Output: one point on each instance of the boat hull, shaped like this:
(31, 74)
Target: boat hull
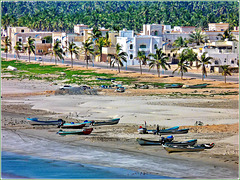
(175, 148)
(73, 126)
(144, 142)
(80, 132)
(35, 121)
(177, 131)
(107, 122)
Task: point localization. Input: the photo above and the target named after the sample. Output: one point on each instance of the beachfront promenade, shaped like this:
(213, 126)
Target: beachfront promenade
(103, 65)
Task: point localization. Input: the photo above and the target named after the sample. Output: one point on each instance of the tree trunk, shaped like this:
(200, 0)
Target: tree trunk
(181, 75)
(158, 71)
(6, 56)
(71, 60)
(141, 66)
(225, 78)
(55, 60)
(118, 67)
(202, 73)
(29, 56)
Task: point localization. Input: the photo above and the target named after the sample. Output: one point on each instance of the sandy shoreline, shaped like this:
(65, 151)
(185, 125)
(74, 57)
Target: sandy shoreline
(220, 117)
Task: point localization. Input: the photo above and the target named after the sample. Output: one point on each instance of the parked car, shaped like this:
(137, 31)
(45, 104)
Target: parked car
(65, 87)
(39, 58)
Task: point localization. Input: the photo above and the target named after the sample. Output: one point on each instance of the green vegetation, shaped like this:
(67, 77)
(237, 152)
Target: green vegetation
(115, 15)
(55, 73)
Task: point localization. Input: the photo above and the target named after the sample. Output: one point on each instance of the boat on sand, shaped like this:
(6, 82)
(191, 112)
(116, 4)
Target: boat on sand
(35, 121)
(79, 132)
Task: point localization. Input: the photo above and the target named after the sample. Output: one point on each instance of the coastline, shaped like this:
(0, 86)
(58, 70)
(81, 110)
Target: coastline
(121, 138)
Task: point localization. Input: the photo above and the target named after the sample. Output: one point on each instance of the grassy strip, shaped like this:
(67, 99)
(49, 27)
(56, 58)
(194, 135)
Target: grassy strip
(54, 73)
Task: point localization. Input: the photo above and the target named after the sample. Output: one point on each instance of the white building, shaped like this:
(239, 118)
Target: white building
(223, 53)
(132, 44)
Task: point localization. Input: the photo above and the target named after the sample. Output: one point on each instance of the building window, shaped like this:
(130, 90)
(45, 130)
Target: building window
(169, 40)
(131, 46)
(43, 41)
(22, 30)
(155, 46)
(225, 60)
(217, 38)
(131, 56)
(232, 62)
(216, 62)
(222, 29)
(40, 51)
(20, 39)
(155, 33)
(143, 46)
(168, 54)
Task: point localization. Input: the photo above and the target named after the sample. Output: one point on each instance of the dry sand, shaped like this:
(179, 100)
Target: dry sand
(22, 99)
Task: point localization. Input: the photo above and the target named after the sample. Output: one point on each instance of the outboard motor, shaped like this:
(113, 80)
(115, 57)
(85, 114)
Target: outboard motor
(169, 138)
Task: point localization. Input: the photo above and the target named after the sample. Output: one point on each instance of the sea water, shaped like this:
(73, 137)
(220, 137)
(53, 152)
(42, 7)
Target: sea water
(15, 165)
(68, 157)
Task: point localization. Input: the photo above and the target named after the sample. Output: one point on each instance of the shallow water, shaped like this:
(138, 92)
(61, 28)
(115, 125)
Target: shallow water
(23, 166)
(162, 166)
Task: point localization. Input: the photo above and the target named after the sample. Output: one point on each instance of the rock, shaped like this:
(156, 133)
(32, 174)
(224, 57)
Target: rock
(12, 68)
(63, 73)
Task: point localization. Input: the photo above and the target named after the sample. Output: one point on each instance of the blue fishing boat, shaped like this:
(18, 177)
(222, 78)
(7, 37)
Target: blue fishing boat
(106, 79)
(35, 121)
(106, 122)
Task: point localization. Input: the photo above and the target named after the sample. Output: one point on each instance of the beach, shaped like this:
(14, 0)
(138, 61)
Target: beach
(32, 98)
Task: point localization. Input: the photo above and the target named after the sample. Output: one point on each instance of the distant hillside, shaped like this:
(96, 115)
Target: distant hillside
(62, 16)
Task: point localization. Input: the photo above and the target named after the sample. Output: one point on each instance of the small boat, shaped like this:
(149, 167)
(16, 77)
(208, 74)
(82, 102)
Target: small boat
(142, 130)
(173, 86)
(197, 86)
(79, 132)
(183, 143)
(73, 125)
(106, 79)
(178, 148)
(35, 121)
(120, 89)
(106, 122)
(173, 131)
(145, 142)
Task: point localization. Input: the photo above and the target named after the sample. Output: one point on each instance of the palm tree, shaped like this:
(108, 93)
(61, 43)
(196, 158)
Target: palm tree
(7, 42)
(179, 42)
(30, 47)
(226, 71)
(141, 57)
(57, 51)
(226, 35)
(100, 43)
(204, 61)
(88, 49)
(18, 48)
(192, 56)
(183, 63)
(120, 56)
(197, 37)
(73, 49)
(159, 60)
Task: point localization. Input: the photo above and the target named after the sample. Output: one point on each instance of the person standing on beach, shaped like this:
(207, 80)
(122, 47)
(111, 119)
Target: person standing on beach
(157, 129)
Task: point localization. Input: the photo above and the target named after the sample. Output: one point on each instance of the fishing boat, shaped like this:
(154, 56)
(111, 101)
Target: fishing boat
(173, 131)
(177, 148)
(173, 86)
(73, 125)
(183, 143)
(142, 130)
(106, 122)
(120, 89)
(35, 121)
(145, 142)
(106, 79)
(79, 132)
(197, 86)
